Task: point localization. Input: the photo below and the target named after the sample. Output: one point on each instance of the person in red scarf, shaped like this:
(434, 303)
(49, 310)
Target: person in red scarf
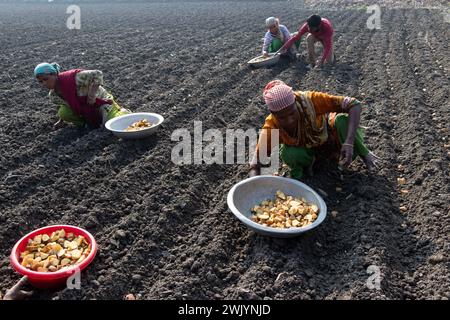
(307, 122)
(79, 94)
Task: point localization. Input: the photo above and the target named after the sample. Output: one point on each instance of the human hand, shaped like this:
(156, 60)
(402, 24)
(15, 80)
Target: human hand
(16, 292)
(91, 100)
(255, 171)
(372, 162)
(318, 64)
(92, 94)
(346, 156)
(281, 51)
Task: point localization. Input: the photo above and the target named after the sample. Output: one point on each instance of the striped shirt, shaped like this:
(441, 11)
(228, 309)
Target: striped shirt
(269, 37)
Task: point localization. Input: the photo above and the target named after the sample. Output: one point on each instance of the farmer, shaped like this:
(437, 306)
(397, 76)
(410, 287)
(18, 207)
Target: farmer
(307, 120)
(275, 37)
(320, 30)
(79, 95)
(16, 292)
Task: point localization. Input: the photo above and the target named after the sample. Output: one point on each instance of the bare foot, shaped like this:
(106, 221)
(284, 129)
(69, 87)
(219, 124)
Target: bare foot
(372, 162)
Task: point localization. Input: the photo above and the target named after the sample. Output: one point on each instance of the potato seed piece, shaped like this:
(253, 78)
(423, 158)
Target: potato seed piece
(65, 262)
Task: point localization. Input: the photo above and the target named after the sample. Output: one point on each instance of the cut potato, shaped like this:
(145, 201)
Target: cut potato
(58, 251)
(139, 125)
(285, 211)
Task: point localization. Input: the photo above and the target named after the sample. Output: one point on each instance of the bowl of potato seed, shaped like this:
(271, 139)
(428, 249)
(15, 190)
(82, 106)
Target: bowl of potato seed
(261, 61)
(50, 255)
(276, 206)
(135, 125)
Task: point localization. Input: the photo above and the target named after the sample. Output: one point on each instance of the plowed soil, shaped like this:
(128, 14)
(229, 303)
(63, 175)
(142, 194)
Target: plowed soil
(164, 230)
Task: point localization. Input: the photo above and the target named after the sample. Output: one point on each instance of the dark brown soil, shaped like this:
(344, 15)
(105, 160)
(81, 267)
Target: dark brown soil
(187, 61)
(388, 4)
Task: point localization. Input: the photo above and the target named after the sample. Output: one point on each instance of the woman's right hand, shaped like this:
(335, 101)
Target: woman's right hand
(281, 51)
(255, 171)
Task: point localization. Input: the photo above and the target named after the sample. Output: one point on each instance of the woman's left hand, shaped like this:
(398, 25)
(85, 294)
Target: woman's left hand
(91, 100)
(92, 94)
(319, 64)
(346, 155)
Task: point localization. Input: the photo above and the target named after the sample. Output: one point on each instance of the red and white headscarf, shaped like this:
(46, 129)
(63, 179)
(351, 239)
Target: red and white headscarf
(278, 95)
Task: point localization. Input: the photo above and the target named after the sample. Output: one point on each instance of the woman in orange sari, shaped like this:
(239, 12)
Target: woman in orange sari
(306, 120)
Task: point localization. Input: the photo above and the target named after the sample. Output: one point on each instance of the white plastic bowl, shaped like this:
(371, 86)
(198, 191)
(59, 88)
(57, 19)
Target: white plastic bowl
(119, 124)
(268, 62)
(252, 191)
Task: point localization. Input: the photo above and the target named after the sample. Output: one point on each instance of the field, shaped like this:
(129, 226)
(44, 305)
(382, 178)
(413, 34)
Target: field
(164, 230)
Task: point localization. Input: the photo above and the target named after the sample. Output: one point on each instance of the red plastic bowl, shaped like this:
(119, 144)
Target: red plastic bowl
(51, 280)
